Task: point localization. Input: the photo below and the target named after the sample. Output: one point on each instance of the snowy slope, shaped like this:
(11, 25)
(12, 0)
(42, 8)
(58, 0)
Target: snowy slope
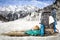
(17, 25)
(20, 25)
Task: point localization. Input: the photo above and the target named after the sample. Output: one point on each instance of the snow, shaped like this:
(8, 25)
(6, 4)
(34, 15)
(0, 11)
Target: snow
(31, 38)
(24, 25)
(18, 25)
(18, 8)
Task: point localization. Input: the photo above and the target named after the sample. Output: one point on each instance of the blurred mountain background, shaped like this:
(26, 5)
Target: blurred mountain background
(26, 10)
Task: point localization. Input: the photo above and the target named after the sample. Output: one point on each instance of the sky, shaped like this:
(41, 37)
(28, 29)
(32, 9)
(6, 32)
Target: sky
(37, 3)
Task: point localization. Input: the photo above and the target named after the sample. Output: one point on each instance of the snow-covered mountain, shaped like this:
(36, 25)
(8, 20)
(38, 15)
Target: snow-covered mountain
(18, 8)
(21, 11)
